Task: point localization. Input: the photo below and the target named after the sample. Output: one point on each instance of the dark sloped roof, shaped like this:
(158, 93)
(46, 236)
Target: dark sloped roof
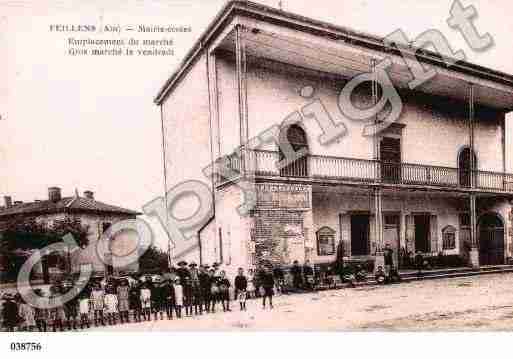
(267, 13)
(66, 204)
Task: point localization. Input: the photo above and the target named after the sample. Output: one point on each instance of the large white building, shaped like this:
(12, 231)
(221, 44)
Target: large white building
(434, 181)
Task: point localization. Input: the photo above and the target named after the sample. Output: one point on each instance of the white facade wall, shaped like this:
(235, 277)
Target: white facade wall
(273, 92)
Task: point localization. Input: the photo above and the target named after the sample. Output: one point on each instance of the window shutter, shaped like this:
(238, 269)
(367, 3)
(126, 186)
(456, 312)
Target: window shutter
(410, 234)
(345, 233)
(433, 221)
(372, 234)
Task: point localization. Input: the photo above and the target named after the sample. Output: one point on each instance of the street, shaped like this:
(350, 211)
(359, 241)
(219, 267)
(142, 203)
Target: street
(474, 303)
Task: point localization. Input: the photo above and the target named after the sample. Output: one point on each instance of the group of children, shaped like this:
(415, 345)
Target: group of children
(188, 288)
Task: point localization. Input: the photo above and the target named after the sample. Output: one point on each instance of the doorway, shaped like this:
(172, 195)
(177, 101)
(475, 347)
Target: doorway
(390, 155)
(466, 160)
(422, 230)
(491, 240)
(360, 235)
(391, 230)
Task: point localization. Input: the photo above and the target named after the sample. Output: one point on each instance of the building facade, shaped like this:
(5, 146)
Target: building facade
(95, 215)
(434, 181)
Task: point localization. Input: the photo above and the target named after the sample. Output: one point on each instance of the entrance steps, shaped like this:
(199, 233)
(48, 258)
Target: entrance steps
(412, 275)
(408, 276)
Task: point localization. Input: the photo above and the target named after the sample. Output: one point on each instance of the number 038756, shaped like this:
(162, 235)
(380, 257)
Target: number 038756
(25, 346)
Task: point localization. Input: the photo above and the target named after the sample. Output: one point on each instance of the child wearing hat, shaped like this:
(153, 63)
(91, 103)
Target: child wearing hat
(178, 289)
(195, 290)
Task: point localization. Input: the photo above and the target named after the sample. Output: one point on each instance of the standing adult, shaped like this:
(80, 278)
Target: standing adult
(389, 260)
(309, 275)
(280, 279)
(204, 284)
(195, 290)
(267, 282)
(297, 275)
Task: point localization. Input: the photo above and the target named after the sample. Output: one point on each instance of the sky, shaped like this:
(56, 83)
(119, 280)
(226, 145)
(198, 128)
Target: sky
(89, 123)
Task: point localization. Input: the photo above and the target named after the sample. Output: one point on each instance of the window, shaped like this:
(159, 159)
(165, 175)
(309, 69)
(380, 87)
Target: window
(220, 246)
(449, 237)
(467, 163)
(390, 155)
(105, 226)
(464, 220)
(296, 138)
(325, 241)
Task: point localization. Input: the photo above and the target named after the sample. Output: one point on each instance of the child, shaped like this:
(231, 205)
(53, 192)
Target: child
(178, 297)
(10, 313)
(71, 312)
(135, 302)
(145, 296)
(57, 314)
(158, 300)
(241, 285)
(27, 314)
(168, 294)
(380, 275)
(268, 287)
(123, 303)
(41, 314)
(251, 284)
(214, 291)
(224, 291)
(98, 304)
(84, 310)
(111, 306)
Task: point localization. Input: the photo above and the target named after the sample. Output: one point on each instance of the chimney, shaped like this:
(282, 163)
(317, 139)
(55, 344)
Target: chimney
(8, 201)
(54, 194)
(89, 194)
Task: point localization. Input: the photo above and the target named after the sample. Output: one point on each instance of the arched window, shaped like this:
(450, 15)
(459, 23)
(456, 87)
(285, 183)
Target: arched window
(296, 137)
(465, 169)
(448, 238)
(326, 241)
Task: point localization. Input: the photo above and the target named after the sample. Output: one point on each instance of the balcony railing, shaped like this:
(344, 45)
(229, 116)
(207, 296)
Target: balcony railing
(261, 163)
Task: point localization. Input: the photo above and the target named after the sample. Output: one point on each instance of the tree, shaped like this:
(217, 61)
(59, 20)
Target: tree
(21, 235)
(153, 260)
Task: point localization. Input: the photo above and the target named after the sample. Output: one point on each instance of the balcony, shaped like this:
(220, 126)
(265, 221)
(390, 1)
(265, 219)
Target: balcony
(263, 164)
